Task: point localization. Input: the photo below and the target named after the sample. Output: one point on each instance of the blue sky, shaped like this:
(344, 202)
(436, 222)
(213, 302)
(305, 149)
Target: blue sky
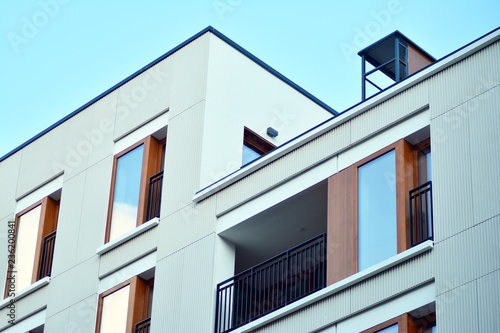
(56, 55)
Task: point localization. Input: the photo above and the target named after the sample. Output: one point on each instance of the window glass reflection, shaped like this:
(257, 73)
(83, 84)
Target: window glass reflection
(377, 231)
(126, 192)
(249, 155)
(114, 311)
(27, 232)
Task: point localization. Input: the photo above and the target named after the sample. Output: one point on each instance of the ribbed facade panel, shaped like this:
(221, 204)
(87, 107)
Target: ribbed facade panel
(189, 71)
(92, 224)
(83, 315)
(457, 310)
(464, 80)
(133, 249)
(183, 157)
(392, 282)
(313, 317)
(72, 283)
(284, 168)
(488, 295)
(186, 226)
(179, 279)
(68, 224)
(63, 148)
(478, 249)
(25, 306)
(143, 98)
(485, 158)
(451, 175)
(389, 112)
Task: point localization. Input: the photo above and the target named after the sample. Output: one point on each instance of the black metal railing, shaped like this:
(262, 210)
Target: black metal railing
(271, 285)
(421, 223)
(47, 255)
(154, 196)
(143, 326)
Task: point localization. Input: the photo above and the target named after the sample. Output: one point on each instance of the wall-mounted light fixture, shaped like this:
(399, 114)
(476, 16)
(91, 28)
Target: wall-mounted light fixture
(272, 132)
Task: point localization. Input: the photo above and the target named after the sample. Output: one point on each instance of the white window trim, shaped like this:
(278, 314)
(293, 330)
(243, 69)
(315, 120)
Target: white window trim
(338, 286)
(127, 236)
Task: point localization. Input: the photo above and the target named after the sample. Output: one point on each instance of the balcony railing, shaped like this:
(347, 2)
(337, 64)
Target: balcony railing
(421, 223)
(143, 326)
(271, 285)
(47, 255)
(154, 196)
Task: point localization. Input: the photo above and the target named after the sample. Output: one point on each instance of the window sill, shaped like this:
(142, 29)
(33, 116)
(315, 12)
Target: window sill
(338, 286)
(25, 292)
(127, 236)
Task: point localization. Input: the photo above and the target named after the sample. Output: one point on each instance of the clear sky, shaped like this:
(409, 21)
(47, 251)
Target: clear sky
(56, 55)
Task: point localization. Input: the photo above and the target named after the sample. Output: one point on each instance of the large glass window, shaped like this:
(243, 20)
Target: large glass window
(254, 146)
(126, 192)
(114, 311)
(377, 229)
(390, 329)
(27, 234)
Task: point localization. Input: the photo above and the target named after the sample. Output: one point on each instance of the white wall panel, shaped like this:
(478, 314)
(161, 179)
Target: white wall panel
(182, 159)
(9, 171)
(185, 289)
(389, 112)
(58, 323)
(186, 226)
(26, 306)
(488, 296)
(144, 97)
(457, 310)
(70, 288)
(68, 224)
(82, 316)
(64, 147)
(464, 80)
(485, 154)
(128, 252)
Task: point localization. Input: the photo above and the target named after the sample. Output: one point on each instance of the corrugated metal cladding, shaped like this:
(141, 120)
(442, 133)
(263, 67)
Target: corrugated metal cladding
(467, 78)
(485, 158)
(185, 144)
(65, 284)
(362, 296)
(488, 295)
(325, 146)
(132, 250)
(389, 112)
(180, 277)
(476, 251)
(456, 310)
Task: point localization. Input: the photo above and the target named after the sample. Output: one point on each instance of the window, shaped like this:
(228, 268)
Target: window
(406, 323)
(35, 232)
(254, 146)
(126, 308)
(136, 186)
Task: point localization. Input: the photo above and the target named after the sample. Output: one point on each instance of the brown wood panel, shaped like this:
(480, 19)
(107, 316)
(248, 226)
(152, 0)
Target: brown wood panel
(405, 178)
(416, 60)
(341, 227)
(48, 224)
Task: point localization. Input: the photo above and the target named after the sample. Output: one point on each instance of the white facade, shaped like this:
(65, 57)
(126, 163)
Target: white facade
(218, 219)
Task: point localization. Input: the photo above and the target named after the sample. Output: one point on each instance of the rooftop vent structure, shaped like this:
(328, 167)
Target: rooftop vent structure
(396, 56)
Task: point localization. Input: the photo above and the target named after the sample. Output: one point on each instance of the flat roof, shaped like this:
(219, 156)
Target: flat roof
(156, 61)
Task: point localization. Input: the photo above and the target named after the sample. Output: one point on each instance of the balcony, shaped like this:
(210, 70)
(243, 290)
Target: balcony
(47, 255)
(143, 326)
(270, 285)
(154, 196)
(421, 223)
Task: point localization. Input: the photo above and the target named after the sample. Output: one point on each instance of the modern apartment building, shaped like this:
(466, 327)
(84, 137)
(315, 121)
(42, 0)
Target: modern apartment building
(208, 193)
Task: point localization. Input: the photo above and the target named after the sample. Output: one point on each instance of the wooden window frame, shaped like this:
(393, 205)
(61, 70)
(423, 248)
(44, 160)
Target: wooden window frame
(47, 223)
(137, 302)
(342, 214)
(151, 164)
(255, 142)
(406, 324)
